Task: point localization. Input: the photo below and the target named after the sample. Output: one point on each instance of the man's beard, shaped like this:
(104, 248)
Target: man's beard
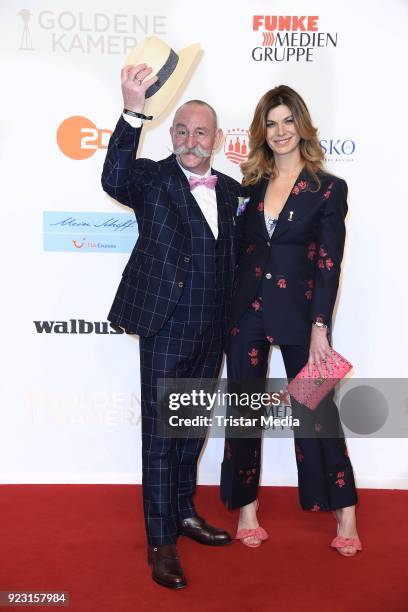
(197, 150)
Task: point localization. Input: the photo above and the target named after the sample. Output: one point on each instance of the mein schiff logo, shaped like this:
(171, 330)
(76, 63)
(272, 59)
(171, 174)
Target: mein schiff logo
(289, 38)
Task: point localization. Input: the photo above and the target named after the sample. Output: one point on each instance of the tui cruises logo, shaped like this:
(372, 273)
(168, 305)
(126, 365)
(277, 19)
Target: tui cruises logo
(289, 38)
(89, 232)
(236, 145)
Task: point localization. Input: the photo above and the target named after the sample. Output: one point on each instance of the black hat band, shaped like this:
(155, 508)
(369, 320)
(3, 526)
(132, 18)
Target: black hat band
(164, 73)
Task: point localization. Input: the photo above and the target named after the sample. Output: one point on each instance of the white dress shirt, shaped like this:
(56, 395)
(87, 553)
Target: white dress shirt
(206, 198)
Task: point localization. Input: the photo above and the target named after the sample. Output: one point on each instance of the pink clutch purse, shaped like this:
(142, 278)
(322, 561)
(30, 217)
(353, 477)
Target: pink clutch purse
(311, 390)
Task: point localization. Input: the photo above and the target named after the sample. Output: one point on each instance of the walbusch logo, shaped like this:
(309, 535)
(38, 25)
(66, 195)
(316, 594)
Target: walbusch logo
(288, 38)
(77, 326)
(236, 145)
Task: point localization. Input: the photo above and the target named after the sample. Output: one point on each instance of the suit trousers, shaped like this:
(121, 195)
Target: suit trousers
(170, 464)
(325, 474)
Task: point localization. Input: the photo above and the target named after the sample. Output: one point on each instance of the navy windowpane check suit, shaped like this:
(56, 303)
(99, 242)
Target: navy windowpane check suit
(283, 283)
(175, 293)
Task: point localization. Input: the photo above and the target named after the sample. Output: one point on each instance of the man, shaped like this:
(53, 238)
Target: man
(174, 293)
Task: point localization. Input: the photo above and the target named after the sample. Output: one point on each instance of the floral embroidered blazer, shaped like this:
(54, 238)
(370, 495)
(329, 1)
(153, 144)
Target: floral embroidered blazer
(299, 266)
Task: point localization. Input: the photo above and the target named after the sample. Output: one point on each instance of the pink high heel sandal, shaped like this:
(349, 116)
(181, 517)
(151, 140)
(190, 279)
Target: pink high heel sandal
(258, 532)
(339, 542)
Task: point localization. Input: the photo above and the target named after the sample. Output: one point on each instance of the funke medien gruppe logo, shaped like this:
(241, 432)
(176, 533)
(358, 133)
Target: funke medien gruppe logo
(290, 38)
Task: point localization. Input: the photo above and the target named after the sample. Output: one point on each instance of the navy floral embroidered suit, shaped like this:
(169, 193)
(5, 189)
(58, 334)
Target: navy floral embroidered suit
(299, 264)
(286, 279)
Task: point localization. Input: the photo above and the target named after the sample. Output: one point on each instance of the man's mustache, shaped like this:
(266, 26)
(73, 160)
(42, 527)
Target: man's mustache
(197, 150)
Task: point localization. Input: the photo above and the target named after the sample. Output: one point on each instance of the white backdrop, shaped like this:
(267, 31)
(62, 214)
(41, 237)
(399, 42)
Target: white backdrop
(70, 409)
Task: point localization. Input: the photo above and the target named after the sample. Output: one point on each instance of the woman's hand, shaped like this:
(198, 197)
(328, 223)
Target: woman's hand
(320, 351)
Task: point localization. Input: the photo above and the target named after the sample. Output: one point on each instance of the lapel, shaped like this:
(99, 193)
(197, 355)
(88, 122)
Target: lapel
(297, 205)
(179, 188)
(256, 207)
(225, 209)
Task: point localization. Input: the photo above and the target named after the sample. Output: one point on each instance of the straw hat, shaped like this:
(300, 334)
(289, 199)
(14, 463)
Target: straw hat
(172, 69)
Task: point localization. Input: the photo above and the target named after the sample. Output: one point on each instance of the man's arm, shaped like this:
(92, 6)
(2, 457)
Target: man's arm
(123, 177)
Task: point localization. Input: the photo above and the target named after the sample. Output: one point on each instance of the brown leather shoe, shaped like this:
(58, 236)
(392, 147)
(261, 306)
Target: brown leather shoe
(166, 568)
(200, 531)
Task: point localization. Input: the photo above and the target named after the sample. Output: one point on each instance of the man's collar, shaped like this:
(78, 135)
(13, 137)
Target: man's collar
(188, 173)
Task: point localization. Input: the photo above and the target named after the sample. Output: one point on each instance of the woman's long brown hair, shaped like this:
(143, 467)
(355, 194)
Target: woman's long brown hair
(261, 161)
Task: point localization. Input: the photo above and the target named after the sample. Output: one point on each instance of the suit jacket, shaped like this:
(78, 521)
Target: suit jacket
(159, 193)
(299, 266)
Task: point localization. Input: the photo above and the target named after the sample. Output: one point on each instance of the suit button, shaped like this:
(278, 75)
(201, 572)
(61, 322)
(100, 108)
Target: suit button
(268, 243)
(181, 284)
(186, 259)
(268, 275)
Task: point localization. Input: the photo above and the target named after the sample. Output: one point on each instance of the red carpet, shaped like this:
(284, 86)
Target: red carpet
(89, 540)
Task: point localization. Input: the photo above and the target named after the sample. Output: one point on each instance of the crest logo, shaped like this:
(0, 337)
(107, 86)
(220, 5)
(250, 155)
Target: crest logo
(236, 145)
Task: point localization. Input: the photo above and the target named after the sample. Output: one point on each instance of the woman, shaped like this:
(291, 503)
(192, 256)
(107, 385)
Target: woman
(292, 238)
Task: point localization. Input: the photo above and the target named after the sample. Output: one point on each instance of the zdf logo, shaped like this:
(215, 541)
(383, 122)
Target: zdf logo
(79, 138)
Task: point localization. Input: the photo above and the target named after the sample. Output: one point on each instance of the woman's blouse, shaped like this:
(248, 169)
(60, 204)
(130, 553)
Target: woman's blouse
(270, 223)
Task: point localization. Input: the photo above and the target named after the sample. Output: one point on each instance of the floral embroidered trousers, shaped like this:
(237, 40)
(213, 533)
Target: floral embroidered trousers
(325, 475)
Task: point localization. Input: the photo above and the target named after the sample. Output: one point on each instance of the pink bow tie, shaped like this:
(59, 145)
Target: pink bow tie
(207, 181)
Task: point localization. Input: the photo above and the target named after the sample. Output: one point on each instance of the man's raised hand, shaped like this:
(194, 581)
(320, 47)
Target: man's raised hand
(134, 86)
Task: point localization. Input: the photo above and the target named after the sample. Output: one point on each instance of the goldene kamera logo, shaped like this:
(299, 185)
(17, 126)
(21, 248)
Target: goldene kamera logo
(289, 38)
(26, 43)
(86, 33)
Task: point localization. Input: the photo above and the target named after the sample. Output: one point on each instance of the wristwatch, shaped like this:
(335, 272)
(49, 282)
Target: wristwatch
(320, 324)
